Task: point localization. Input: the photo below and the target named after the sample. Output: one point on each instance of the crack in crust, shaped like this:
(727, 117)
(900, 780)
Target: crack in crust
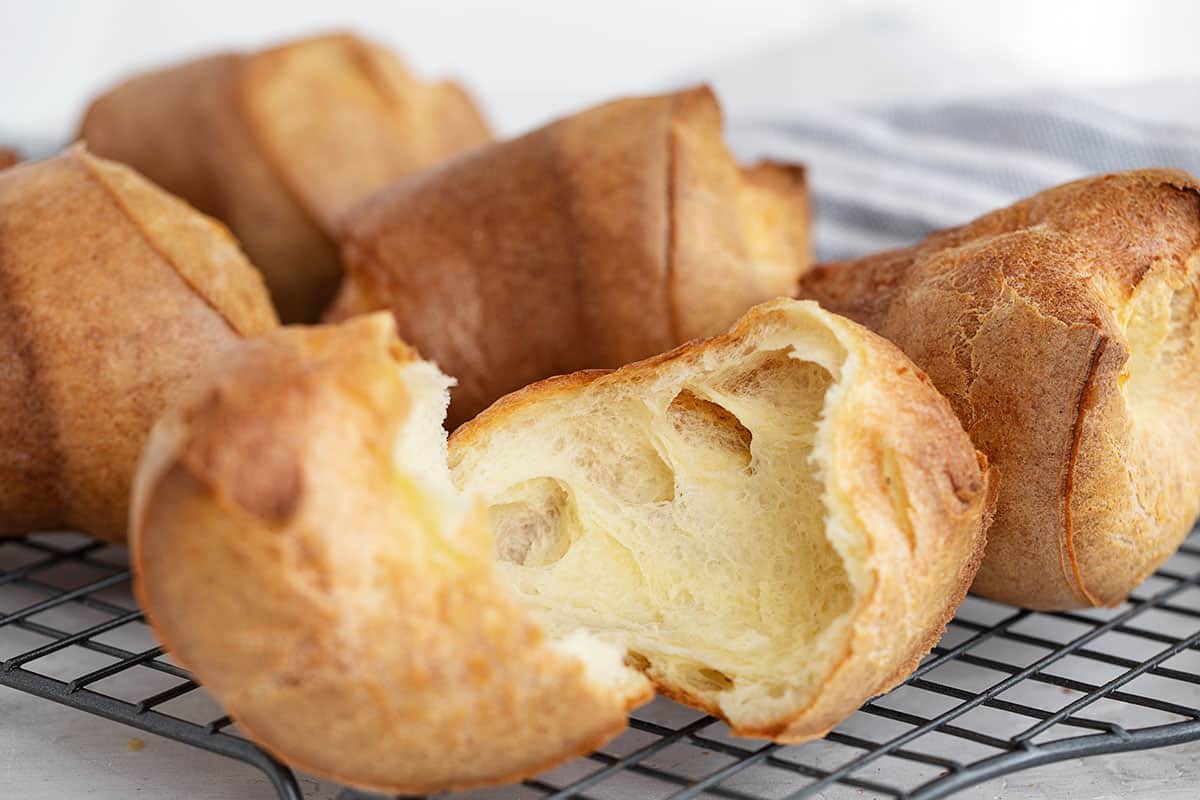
(1087, 400)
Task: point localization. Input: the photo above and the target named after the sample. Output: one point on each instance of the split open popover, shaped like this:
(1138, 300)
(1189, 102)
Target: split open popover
(772, 525)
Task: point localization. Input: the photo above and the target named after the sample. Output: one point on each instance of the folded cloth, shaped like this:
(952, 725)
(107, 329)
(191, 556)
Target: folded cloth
(883, 177)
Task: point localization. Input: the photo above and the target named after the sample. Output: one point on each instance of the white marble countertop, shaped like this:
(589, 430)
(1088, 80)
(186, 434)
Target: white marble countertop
(51, 752)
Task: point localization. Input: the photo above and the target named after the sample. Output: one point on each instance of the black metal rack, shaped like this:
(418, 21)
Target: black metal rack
(1005, 690)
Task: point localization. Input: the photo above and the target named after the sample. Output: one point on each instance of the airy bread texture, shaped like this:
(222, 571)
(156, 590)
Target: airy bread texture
(112, 294)
(298, 545)
(279, 143)
(605, 237)
(1065, 331)
(775, 524)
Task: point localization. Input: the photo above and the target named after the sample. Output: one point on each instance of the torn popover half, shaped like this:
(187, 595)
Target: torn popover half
(775, 524)
(297, 543)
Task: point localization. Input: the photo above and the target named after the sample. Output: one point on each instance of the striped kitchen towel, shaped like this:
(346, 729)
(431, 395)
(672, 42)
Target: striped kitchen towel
(886, 177)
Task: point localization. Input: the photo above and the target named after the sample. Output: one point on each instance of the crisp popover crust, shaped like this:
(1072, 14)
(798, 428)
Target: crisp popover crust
(605, 237)
(112, 295)
(279, 143)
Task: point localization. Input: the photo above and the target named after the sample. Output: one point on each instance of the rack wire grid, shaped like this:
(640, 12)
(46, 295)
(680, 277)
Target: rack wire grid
(1006, 689)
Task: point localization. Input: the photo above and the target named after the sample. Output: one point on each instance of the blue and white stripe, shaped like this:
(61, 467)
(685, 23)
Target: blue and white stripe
(886, 177)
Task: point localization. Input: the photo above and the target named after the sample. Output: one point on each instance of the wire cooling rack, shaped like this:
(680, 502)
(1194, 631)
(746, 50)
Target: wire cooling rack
(1005, 690)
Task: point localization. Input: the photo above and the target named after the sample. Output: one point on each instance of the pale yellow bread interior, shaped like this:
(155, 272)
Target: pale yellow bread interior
(686, 509)
(420, 457)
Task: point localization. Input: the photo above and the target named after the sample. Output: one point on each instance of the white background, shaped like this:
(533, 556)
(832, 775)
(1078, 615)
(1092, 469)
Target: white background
(536, 60)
